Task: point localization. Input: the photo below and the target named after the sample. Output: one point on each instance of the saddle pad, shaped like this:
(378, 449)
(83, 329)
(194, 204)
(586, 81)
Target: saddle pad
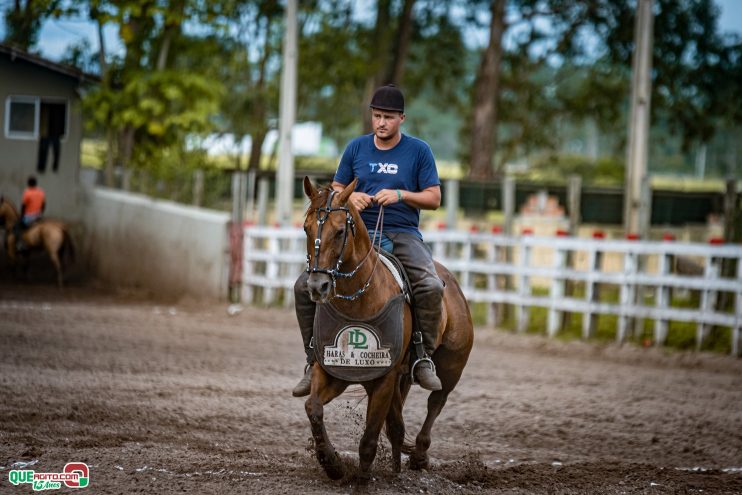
(359, 350)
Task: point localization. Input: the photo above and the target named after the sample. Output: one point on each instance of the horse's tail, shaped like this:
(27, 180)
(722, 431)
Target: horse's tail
(68, 247)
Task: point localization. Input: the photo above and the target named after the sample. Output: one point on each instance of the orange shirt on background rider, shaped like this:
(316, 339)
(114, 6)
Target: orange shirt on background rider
(33, 200)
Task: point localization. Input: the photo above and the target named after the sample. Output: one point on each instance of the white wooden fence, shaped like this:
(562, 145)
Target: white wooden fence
(498, 269)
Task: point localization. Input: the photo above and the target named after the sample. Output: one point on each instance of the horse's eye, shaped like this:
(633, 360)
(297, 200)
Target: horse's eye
(340, 233)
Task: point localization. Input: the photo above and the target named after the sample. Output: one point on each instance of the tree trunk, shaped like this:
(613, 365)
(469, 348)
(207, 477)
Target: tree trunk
(172, 29)
(402, 46)
(484, 131)
(106, 83)
(258, 139)
(381, 48)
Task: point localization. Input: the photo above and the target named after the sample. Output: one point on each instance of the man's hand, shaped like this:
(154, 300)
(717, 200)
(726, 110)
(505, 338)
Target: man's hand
(387, 197)
(360, 200)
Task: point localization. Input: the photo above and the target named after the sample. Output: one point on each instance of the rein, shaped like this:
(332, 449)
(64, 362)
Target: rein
(322, 214)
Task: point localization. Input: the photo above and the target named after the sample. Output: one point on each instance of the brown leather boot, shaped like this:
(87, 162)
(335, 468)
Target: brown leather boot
(305, 384)
(425, 376)
(428, 311)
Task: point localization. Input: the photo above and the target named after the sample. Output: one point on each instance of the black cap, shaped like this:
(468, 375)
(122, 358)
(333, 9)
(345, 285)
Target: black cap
(388, 97)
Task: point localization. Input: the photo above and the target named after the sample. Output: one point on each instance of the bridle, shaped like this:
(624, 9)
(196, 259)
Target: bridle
(323, 214)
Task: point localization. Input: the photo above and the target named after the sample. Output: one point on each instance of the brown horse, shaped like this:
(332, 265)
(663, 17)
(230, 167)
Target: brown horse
(386, 394)
(50, 236)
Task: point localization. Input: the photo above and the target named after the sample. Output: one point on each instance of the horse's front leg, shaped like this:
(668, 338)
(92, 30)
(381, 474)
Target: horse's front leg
(324, 389)
(379, 400)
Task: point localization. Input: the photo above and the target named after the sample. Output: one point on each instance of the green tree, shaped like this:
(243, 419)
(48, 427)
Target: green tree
(23, 21)
(147, 103)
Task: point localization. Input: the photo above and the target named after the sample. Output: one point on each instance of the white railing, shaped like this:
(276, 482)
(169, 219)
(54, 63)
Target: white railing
(496, 269)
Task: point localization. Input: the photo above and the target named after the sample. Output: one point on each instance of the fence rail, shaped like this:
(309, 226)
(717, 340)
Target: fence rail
(496, 270)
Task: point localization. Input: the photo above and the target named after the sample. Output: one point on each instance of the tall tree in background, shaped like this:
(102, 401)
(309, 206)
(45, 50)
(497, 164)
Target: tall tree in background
(486, 92)
(252, 75)
(694, 67)
(387, 50)
(23, 21)
(149, 103)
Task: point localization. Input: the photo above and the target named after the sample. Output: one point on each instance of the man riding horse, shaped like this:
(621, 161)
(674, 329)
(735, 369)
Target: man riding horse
(397, 172)
(32, 206)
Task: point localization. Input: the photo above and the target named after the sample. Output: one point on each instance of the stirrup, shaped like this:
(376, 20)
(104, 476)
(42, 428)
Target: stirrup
(414, 365)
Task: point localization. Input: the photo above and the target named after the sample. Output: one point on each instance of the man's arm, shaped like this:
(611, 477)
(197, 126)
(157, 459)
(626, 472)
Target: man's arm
(427, 199)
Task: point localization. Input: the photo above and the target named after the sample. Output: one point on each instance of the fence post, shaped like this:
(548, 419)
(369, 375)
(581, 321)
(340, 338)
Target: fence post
(495, 254)
(466, 256)
(556, 293)
(452, 202)
(662, 295)
(628, 291)
(271, 268)
(507, 253)
(524, 286)
(508, 204)
(736, 333)
(248, 293)
(198, 188)
(592, 289)
(294, 244)
(237, 232)
(263, 190)
(251, 186)
(711, 271)
(126, 180)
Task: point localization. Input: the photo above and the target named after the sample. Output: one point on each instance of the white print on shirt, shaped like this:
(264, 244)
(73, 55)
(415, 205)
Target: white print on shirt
(384, 168)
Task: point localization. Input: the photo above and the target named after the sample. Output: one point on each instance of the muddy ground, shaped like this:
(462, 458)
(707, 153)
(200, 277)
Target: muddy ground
(161, 397)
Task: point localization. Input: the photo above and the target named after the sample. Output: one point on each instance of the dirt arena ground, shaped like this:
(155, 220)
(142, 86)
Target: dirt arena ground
(172, 398)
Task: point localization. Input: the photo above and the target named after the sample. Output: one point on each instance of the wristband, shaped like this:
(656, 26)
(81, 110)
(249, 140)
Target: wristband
(399, 195)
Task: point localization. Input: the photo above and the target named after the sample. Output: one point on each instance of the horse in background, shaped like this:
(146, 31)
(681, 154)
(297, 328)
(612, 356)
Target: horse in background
(344, 240)
(46, 235)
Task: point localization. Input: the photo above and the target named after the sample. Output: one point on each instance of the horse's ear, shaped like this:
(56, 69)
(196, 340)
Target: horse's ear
(343, 198)
(309, 188)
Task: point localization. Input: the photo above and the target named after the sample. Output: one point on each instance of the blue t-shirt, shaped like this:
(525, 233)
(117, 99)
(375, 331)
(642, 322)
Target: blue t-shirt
(408, 166)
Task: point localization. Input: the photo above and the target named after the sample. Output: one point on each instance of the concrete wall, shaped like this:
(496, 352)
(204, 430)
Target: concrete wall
(18, 157)
(164, 247)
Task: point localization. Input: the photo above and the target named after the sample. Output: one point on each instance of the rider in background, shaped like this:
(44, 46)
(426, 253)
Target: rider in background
(32, 206)
(398, 172)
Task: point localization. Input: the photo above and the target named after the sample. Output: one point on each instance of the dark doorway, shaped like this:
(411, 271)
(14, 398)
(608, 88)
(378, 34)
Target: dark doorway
(52, 127)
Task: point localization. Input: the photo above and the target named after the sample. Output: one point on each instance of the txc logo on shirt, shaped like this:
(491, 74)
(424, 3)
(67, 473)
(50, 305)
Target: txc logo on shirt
(384, 168)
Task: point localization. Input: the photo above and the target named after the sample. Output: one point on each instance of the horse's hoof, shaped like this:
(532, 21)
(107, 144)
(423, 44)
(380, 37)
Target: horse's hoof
(419, 461)
(335, 470)
(362, 479)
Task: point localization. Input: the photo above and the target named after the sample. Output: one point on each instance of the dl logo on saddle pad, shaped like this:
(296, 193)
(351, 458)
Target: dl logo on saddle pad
(357, 346)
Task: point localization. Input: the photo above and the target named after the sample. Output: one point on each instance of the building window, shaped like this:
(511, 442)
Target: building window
(21, 117)
(30, 117)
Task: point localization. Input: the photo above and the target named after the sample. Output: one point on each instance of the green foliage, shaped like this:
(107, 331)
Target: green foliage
(23, 21)
(193, 67)
(163, 107)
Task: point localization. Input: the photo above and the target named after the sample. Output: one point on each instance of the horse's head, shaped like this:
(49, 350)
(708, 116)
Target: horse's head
(331, 231)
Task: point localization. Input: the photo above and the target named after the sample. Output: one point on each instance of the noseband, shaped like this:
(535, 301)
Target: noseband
(322, 215)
